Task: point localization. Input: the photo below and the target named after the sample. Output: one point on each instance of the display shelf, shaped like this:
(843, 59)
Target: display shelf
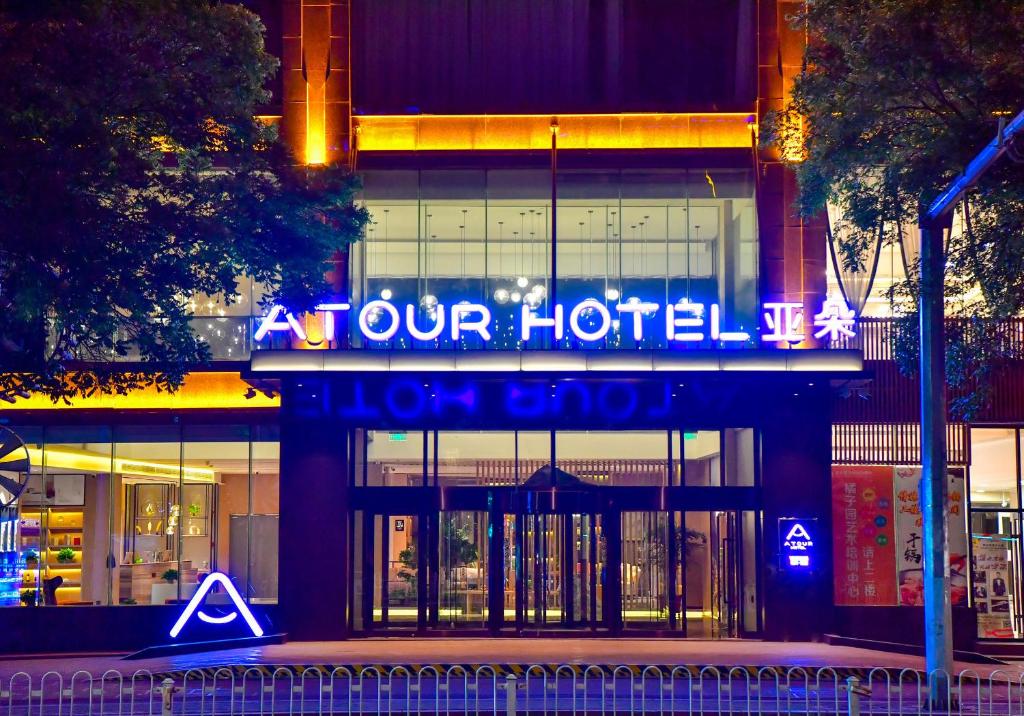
(62, 528)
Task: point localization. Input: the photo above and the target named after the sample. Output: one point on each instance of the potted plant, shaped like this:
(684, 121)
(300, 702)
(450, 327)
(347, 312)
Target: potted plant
(66, 555)
(170, 576)
(31, 559)
(29, 597)
(195, 509)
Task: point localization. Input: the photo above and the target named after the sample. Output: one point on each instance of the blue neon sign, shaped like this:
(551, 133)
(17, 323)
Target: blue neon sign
(589, 320)
(797, 552)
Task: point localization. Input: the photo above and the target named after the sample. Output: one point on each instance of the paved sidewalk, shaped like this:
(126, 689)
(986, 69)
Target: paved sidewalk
(410, 651)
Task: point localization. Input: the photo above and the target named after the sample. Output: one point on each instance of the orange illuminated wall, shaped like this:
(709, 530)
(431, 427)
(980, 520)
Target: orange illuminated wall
(201, 390)
(533, 131)
(315, 65)
(791, 249)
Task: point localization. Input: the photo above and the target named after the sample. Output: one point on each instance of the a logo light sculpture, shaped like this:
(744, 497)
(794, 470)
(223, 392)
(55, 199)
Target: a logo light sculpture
(194, 603)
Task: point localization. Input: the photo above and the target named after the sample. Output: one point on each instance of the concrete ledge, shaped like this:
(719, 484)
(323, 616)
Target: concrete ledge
(197, 647)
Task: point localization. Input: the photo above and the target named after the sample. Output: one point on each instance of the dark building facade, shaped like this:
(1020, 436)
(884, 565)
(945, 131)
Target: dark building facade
(584, 374)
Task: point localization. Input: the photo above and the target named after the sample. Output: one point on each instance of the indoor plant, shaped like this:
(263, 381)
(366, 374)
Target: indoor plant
(170, 576)
(66, 555)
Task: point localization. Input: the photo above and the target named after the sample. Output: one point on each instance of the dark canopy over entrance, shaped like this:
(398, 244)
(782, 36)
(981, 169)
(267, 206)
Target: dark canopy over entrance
(556, 541)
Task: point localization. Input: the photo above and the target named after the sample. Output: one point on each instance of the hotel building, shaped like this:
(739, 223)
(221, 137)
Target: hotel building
(586, 373)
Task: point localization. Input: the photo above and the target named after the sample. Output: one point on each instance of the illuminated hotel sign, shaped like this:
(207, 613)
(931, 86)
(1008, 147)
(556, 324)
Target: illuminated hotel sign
(796, 544)
(588, 320)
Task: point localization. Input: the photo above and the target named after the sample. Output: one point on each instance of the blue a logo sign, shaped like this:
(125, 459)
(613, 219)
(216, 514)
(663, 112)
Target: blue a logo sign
(796, 544)
(238, 606)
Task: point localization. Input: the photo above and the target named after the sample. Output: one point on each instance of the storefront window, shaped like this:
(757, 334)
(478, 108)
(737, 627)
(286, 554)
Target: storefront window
(994, 482)
(63, 517)
(996, 549)
(139, 514)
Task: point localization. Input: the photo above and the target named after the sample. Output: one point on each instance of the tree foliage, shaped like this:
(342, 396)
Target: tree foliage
(895, 98)
(135, 175)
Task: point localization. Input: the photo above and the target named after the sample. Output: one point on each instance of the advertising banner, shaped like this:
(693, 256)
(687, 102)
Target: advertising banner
(910, 537)
(993, 598)
(864, 550)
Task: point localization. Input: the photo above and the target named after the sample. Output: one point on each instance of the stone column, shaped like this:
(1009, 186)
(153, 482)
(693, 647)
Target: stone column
(792, 251)
(315, 67)
(314, 564)
(796, 460)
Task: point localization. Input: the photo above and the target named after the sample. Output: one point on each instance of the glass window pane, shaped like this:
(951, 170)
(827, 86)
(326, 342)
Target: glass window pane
(739, 457)
(147, 519)
(697, 576)
(64, 518)
(214, 497)
(395, 458)
(703, 459)
(260, 571)
(396, 549)
(462, 568)
(996, 574)
(618, 459)
(993, 467)
(645, 568)
(476, 458)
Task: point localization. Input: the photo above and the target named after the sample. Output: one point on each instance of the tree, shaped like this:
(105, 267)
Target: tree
(895, 98)
(135, 175)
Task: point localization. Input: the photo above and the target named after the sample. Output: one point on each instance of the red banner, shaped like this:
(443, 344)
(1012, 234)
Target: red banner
(864, 545)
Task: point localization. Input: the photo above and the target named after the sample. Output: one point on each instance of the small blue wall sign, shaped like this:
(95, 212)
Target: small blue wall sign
(797, 550)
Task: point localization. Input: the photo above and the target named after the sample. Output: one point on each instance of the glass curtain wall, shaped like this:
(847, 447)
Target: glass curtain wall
(139, 514)
(439, 238)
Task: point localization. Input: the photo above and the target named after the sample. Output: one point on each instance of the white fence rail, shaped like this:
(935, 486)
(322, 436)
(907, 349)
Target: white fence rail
(509, 691)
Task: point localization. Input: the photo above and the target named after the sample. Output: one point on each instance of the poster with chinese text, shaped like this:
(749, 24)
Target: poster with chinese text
(863, 545)
(993, 599)
(910, 537)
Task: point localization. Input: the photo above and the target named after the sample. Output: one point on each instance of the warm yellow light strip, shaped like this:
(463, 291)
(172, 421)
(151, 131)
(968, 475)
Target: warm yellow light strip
(405, 133)
(200, 391)
(67, 459)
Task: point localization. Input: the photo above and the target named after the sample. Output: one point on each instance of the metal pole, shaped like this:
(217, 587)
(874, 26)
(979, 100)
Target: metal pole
(553, 293)
(934, 485)
(511, 683)
(933, 488)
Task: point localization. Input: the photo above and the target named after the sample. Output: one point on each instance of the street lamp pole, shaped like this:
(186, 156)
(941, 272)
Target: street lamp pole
(938, 613)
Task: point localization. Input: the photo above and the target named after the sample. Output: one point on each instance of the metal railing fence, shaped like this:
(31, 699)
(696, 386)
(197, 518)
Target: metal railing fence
(538, 689)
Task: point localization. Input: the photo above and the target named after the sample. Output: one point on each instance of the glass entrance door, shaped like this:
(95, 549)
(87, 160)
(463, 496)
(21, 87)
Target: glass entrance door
(560, 573)
(691, 573)
(462, 569)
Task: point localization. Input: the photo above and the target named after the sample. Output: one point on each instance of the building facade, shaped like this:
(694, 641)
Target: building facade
(585, 373)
